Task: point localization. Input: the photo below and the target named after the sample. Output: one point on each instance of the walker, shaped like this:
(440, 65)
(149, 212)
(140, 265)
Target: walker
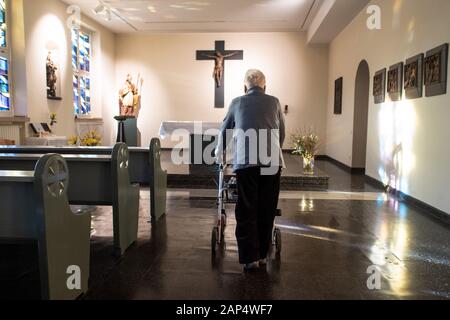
(227, 193)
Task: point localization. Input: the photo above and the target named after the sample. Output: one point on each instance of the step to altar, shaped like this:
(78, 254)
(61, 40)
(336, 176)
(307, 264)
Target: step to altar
(206, 177)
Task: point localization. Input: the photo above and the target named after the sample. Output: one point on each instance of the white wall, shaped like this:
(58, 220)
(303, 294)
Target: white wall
(45, 25)
(19, 74)
(417, 131)
(178, 87)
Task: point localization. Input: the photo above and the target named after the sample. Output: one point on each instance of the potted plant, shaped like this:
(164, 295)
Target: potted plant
(306, 144)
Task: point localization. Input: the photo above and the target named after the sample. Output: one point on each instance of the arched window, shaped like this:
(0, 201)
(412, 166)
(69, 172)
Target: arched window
(5, 59)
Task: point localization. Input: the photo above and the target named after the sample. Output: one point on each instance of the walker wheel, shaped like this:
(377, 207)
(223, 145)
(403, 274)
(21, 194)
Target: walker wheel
(223, 224)
(277, 241)
(214, 242)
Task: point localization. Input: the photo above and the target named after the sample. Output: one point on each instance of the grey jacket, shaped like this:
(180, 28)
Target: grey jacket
(255, 123)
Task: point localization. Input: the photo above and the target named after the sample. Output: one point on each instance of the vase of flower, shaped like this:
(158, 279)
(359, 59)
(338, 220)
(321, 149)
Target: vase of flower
(308, 164)
(91, 139)
(306, 143)
(53, 118)
(73, 141)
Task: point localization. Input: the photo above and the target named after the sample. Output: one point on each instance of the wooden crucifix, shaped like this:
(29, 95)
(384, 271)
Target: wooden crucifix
(219, 55)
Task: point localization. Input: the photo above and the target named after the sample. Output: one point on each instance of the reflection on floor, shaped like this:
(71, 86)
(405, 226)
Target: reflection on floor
(330, 242)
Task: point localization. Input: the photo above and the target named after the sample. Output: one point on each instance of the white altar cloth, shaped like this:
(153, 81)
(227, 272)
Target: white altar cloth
(191, 127)
(54, 141)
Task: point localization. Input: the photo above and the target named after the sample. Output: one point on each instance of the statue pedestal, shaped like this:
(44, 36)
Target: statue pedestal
(127, 130)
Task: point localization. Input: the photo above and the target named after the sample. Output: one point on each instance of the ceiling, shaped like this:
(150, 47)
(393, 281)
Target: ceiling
(203, 15)
(332, 17)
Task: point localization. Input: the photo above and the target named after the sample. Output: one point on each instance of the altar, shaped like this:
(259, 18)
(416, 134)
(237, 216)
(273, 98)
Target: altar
(168, 128)
(53, 141)
(197, 136)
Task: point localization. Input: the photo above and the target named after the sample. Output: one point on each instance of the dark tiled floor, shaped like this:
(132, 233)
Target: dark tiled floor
(329, 241)
(343, 181)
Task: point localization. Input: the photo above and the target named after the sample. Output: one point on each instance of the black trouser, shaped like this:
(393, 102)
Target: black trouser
(255, 213)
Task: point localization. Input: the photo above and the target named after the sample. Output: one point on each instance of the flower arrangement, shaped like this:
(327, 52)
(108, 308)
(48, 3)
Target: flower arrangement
(306, 145)
(53, 118)
(73, 141)
(91, 139)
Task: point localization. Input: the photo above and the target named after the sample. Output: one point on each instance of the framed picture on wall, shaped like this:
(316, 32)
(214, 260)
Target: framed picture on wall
(379, 86)
(435, 71)
(413, 77)
(395, 82)
(338, 87)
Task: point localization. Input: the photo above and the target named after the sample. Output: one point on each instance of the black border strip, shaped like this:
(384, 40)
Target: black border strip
(436, 214)
(343, 166)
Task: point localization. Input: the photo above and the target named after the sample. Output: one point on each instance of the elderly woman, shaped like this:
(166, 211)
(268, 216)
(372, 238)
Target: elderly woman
(255, 122)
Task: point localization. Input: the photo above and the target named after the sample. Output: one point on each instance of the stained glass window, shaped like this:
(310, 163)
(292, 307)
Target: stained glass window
(5, 100)
(3, 27)
(76, 95)
(4, 85)
(81, 64)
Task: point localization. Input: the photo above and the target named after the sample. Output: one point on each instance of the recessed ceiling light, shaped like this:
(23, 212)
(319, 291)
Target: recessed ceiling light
(130, 9)
(193, 9)
(152, 9)
(177, 6)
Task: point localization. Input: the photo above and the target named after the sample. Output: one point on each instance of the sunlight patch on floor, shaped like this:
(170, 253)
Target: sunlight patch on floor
(334, 195)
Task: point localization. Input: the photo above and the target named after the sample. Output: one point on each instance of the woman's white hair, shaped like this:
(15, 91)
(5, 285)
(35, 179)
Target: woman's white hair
(255, 78)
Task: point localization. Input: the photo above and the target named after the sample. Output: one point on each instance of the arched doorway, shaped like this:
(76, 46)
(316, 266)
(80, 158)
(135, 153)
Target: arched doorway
(361, 117)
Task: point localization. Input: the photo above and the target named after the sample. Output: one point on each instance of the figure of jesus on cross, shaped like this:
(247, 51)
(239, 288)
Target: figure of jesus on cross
(220, 55)
(219, 68)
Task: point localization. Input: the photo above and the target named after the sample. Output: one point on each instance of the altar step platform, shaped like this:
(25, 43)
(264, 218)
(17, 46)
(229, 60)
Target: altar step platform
(206, 177)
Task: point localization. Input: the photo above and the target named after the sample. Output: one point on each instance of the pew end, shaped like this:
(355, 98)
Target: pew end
(63, 238)
(125, 200)
(158, 182)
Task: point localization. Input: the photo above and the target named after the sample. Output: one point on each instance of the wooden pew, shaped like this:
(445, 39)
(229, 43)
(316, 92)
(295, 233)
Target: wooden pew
(96, 180)
(34, 206)
(144, 167)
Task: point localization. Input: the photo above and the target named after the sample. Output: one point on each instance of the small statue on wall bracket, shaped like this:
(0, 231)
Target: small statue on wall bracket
(129, 97)
(52, 78)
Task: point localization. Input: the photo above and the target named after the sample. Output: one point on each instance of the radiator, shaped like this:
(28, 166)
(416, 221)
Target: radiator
(10, 132)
